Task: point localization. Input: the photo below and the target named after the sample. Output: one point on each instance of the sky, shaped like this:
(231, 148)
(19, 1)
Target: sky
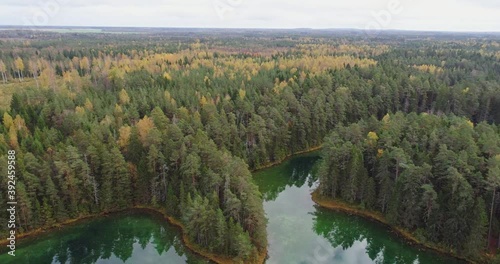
(434, 15)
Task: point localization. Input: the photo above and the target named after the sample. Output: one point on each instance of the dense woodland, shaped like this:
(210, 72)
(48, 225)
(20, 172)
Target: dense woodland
(102, 122)
(433, 175)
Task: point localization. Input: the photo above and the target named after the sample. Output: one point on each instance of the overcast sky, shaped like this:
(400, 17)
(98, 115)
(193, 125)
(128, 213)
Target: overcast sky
(449, 15)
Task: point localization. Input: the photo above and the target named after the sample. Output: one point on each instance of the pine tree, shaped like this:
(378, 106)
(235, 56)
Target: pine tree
(121, 179)
(478, 229)
(46, 214)
(370, 195)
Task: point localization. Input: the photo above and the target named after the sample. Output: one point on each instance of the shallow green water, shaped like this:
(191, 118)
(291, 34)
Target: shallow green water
(121, 238)
(301, 232)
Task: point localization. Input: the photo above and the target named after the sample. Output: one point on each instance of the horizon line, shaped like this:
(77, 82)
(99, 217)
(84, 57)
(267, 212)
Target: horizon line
(253, 28)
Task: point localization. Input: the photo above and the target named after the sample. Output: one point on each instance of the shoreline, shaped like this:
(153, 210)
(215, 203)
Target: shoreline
(287, 157)
(379, 218)
(47, 229)
(219, 259)
(191, 246)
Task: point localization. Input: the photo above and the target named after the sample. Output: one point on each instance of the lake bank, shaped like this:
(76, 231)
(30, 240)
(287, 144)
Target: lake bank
(48, 229)
(299, 231)
(295, 175)
(220, 259)
(130, 236)
(279, 162)
(161, 213)
(192, 246)
(377, 217)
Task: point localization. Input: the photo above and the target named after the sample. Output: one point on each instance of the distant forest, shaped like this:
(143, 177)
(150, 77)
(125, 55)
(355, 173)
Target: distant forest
(176, 120)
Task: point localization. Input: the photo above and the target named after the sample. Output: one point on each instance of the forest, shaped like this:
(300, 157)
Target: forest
(174, 120)
(434, 175)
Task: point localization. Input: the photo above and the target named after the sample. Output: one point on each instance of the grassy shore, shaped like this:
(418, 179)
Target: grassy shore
(378, 217)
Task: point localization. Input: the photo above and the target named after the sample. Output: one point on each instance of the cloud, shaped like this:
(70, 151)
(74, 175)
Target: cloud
(483, 3)
(457, 15)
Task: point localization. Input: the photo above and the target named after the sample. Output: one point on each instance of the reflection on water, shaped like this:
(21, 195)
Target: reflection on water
(292, 173)
(301, 232)
(122, 238)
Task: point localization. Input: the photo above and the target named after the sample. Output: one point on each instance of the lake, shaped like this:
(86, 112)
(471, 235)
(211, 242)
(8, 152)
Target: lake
(132, 237)
(298, 232)
(301, 232)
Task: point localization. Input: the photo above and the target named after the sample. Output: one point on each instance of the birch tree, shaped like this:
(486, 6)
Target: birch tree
(19, 65)
(2, 71)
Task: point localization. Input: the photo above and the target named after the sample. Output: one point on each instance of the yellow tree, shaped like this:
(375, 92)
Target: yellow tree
(167, 76)
(144, 126)
(88, 105)
(76, 80)
(13, 137)
(123, 96)
(3, 69)
(19, 65)
(85, 65)
(80, 110)
(33, 65)
(48, 78)
(124, 138)
(242, 93)
(116, 75)
(20, 125)
(14, 126)
(118, 114)
(7, 120)
(68, 79)
(76, 62)
(203, 101)
(372, 138)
